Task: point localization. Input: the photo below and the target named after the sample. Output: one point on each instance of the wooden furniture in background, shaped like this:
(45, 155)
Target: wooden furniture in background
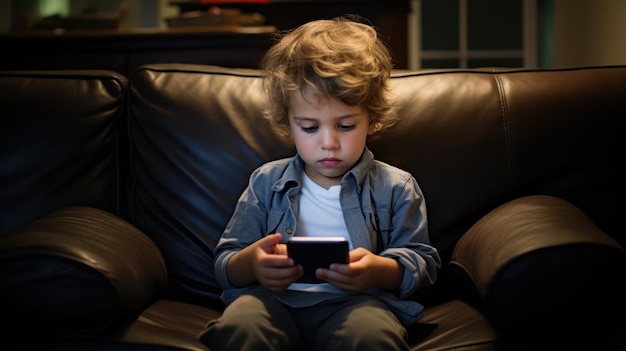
(123, 50)
(389, 16)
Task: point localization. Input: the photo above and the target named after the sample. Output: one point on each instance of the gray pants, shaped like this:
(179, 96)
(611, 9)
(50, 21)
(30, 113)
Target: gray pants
(257, 321)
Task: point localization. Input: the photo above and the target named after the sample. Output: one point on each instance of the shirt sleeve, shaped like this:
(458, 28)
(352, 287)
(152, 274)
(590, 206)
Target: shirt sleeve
(409, 241)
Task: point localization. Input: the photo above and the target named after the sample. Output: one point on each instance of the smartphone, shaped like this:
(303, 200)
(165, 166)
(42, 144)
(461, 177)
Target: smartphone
(316, 252)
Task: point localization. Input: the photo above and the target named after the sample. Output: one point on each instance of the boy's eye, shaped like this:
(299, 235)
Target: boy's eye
(346, 126)
(309, 129)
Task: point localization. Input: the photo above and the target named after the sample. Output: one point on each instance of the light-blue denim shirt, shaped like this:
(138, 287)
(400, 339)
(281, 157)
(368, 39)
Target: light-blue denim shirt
(384, 211)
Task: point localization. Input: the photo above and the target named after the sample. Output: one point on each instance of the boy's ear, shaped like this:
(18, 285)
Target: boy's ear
(374, 127)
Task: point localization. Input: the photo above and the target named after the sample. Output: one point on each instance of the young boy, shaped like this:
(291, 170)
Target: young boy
(327, 87)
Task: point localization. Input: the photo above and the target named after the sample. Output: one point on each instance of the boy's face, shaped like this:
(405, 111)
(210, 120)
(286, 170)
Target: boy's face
(328, 134)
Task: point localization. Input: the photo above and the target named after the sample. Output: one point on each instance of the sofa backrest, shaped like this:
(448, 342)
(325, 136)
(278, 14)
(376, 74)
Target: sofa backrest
(477, 138)
(58, 142)
(473, 139)
(196, 134)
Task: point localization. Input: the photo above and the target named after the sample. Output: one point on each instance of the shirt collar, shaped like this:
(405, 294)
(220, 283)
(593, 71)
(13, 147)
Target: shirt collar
(295, 168)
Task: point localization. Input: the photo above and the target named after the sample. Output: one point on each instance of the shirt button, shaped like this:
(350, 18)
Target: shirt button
(288, 230)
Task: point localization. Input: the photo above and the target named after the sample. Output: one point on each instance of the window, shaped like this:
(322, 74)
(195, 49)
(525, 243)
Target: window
(473, 33)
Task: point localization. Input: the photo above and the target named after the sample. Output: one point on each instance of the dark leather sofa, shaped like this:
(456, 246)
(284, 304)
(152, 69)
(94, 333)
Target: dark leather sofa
(115, 190)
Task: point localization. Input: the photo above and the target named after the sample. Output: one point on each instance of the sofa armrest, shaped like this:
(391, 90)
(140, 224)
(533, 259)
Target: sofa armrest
(539, 262)
(78, 268)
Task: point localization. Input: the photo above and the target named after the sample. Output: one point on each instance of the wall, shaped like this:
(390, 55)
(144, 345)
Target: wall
(589, 33)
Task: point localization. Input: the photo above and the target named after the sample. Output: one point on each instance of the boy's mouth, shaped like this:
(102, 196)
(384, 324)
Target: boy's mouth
(329, 162)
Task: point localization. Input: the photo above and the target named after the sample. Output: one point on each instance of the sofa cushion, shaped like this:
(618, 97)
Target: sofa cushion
(171, 323)
(452, 325)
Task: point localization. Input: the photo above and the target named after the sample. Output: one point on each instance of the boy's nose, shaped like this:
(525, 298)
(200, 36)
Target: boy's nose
(329, 139)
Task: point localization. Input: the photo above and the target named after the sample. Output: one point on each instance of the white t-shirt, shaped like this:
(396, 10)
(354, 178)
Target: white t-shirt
(320, 215)
(320, 211)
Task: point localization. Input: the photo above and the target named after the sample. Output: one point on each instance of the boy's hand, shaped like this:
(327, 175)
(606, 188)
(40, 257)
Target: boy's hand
(271, 265)
(364, 271)
(264, 261)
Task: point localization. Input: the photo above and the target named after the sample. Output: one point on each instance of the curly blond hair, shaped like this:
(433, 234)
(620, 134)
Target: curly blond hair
(341, 58)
